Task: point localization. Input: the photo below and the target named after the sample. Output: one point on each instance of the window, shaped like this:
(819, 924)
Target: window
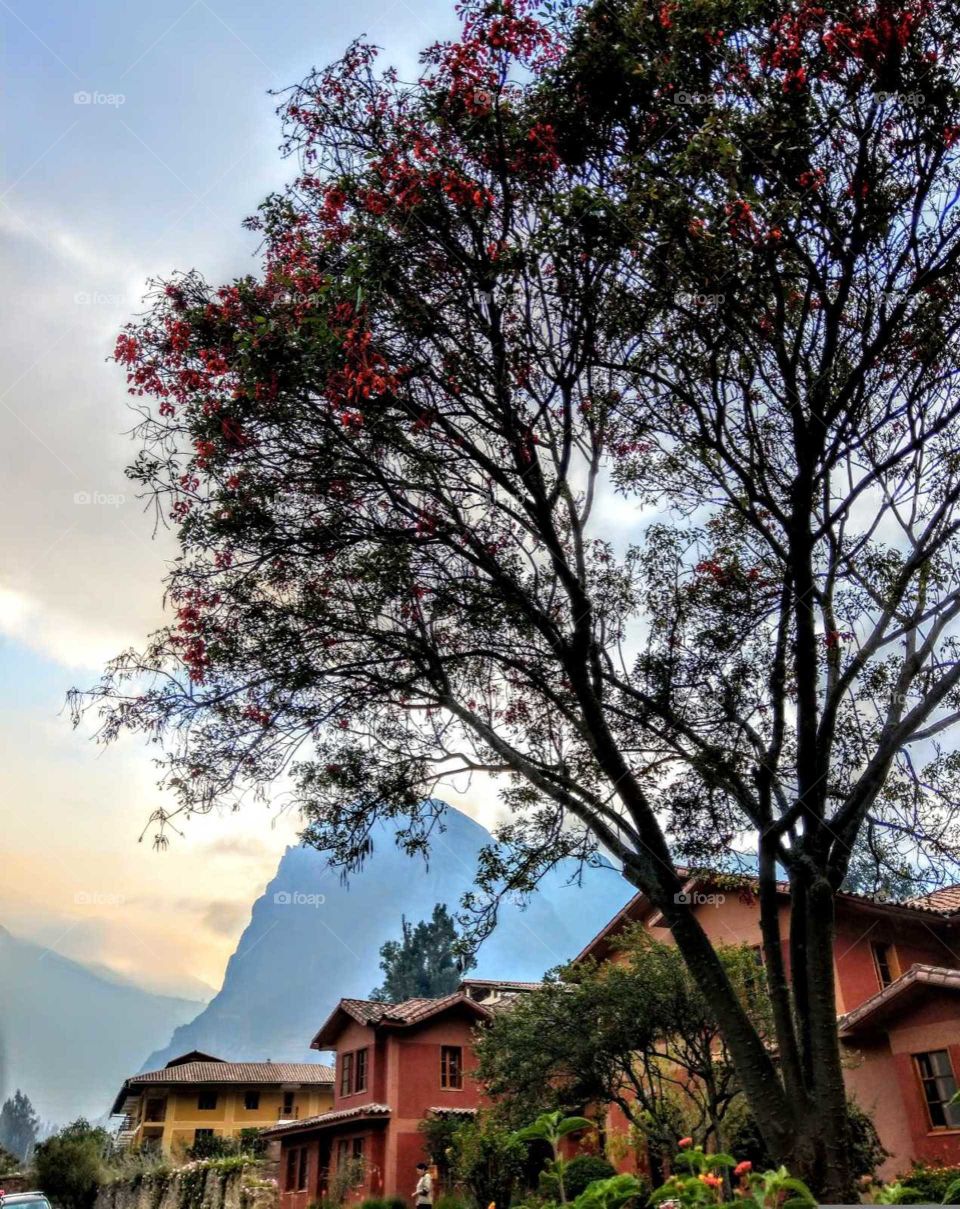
(358, 1148)
(207, 1100)
(882, 960)
(201, 1133)
(939, 1085)
(288, 1104)
(298, 1160)
(155, 1110)
(343, 1151)
(346, 1074)
(353, 1072)
(251, 1101)
(360, 1070)
(451, 1067)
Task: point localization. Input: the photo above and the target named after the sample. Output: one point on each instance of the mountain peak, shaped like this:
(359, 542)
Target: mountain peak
(314, 938)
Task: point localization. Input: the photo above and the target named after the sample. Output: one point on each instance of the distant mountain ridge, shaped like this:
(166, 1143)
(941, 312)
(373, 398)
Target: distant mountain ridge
(312, 939)
(68, 1035)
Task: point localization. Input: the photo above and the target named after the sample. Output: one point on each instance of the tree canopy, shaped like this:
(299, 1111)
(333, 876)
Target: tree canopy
(635, 1032)
(423, 963)
(590, 426)
(19, 1125)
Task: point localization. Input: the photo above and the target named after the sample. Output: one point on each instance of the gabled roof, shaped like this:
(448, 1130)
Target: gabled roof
(218, 1072)
(390, 1015)
(195, 1055)
(919, 980)
(323, 1120)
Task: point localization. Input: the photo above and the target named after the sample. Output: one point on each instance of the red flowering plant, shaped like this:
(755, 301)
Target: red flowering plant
(718, 1179)
(703, 257)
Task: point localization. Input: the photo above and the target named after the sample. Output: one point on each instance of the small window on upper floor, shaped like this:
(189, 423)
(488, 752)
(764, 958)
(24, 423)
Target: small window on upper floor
(883, 962)
(451, 1067)
(360, 1070)
(207, 1100)
(251, 1101)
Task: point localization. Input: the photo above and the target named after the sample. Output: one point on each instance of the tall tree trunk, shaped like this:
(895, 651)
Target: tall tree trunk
(828, 1123)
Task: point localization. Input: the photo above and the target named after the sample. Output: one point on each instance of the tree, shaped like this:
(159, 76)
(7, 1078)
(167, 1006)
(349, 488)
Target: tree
(8, 1161)
(492, 299)
(19, 1125)
(653, 1045)
(423, 964)
(71, 1165)
(487, 1160)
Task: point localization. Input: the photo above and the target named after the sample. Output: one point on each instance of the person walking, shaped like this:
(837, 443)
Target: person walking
(423, 1193)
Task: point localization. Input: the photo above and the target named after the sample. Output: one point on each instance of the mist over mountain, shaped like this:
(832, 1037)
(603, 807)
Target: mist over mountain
(313, 939)
(68, 1035)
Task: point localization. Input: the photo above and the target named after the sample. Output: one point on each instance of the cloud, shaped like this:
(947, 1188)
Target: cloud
(225, 918)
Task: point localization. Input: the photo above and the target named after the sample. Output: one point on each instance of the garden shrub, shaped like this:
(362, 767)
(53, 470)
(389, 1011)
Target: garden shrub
(866, 1150)
(931, 1183)
(449, 1200)
(487, 1161)
(374, 1202)
(577, 1174)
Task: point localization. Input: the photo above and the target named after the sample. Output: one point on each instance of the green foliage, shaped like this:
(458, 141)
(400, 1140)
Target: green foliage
(487, 1160)
(398, 1202)
(933, 1184)
(703, 1179)
(449, 1200)
(8, 1161)
(579, 1171)
(645, 1015)
(346, 1178)
(552, 1127)
(865, 1148)
(19, 1125)
(612, 1193)
(897, 1193)
(71, 1165)
(249, 1143)
(373, 1202)
(438, 1134)
(423, 963)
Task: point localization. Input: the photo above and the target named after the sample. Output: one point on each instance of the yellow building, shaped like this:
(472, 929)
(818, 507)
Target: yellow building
(197, 1096)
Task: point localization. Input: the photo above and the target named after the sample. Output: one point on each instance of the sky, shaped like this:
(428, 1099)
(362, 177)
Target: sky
(136, 137)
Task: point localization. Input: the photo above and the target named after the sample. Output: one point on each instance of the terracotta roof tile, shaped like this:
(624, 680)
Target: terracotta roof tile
(323, 1119)
(237, 1072)
(876, 1006)
(945, 901)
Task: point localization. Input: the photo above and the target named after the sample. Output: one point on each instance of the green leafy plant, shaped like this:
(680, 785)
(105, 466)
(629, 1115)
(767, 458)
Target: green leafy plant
(611, 1193)
(579, 1172)
(72, 1165)
(703, 1179)
(487, 1161)
(552, 1127)
(897, 1193)
(933, 1184)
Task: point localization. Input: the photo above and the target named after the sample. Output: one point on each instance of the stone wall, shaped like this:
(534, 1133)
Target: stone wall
(203, 1185)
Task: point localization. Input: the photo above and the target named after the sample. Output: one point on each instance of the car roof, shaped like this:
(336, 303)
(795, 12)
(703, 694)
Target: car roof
(13, 1197)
